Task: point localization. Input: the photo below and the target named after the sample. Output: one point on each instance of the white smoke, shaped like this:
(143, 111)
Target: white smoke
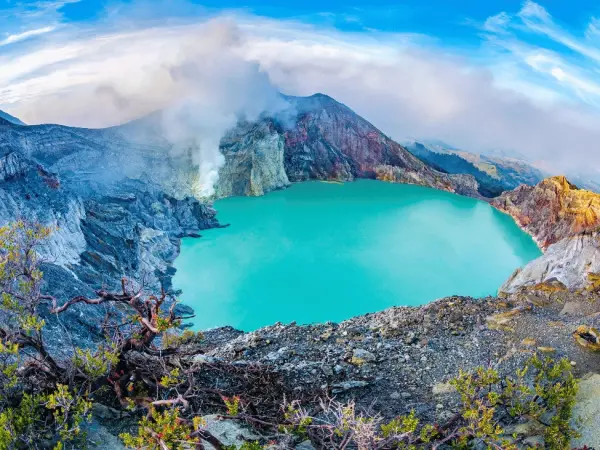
(214, 88)
(196, 76)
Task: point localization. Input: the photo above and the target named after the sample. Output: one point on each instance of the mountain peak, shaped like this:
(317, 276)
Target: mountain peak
(10, 118)
(316, 102)
(560, 181)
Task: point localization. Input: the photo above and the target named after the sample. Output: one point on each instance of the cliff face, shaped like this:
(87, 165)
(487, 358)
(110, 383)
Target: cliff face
(106, 223)
(317, 138)
(552, 210)
(565, 221)
(572, 261)
(254, 160)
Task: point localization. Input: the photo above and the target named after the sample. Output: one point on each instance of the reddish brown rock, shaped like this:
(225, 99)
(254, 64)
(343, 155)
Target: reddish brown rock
(552, 210)
(328, 141)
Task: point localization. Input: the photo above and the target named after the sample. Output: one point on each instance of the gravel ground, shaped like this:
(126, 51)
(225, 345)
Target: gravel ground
(400, 359)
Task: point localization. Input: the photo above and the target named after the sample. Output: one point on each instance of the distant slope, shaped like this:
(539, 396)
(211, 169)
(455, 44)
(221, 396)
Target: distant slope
(10, 118)
(452, 163)
(494, 174)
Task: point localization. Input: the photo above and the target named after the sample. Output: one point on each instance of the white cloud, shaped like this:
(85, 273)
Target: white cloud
(99, 77)
(497, 23)
(12, 38)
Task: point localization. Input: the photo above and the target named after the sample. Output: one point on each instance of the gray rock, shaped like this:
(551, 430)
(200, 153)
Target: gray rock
(587, 412)
(305, 445)
(568, 261)
(570, 308)
(229, 432)
(204, 359)
(347, 385)
(105, 412)
(535, 441)
(363, 355)
(99, 437)
(443, 389)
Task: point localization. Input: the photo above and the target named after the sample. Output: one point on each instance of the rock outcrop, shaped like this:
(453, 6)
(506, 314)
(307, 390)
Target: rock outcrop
(254, 160)
(564, 221)
(587, 412)
(571, 261)
(552, 210)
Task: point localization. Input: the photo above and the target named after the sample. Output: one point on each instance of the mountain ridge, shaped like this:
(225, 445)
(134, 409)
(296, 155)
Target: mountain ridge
(12, 119)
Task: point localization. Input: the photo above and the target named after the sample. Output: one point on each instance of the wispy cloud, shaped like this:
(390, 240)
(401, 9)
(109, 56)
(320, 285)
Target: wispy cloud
(12, 38)
(497, 23)
(564, 61)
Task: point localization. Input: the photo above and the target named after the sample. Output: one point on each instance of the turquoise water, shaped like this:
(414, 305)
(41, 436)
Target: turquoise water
(322, 251)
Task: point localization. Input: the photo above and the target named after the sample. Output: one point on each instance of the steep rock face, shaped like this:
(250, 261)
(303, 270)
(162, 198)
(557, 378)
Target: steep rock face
(570, 261)
(254, 161)
(109, 206)
(80, 182)
(12, 165)
(552, 210)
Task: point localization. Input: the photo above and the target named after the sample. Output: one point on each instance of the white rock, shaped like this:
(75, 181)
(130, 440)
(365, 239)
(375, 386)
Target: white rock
(569, 261)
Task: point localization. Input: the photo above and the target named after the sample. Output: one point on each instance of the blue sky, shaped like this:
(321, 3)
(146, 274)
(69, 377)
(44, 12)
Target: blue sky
(515, 75)
(437, 17)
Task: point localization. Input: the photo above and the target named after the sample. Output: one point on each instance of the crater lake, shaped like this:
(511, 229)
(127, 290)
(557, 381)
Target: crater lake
(319, 252)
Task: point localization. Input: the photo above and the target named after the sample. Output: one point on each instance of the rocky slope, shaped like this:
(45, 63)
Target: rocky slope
(564, 220)
(106, 224)
(552, 210)
(401, 359)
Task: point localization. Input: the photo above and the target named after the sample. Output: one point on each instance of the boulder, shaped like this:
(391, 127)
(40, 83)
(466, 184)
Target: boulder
(587, 412)
(229, 432)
